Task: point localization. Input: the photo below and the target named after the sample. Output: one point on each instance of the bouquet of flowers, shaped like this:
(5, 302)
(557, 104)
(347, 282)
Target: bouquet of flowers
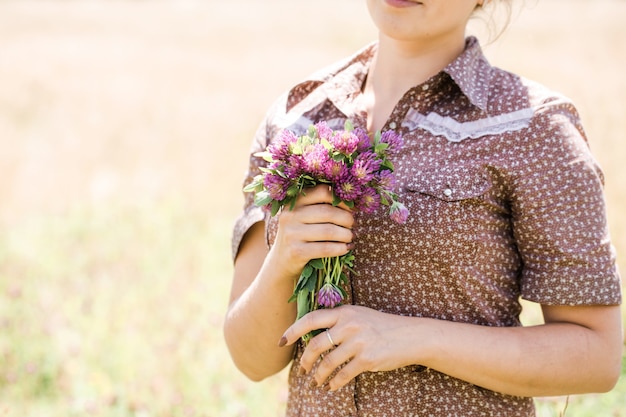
(359, 172)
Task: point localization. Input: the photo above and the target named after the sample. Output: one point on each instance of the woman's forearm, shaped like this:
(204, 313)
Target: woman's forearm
(557, 358)
(578, 350)
(264, 279)
(259, 313)
(253, 325)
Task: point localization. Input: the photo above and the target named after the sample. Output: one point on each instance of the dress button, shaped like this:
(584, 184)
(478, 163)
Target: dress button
(447, 192)
(392, 125)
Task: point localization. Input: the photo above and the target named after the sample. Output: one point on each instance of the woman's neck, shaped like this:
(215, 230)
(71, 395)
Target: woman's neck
(399, 66)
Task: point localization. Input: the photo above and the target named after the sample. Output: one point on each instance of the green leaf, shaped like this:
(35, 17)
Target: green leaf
(265, 155)
(348, 126)
(292, 203)
(293, 190)
(341, 290)
(311, 284)
(262, 198)
(303, 303)
(380, 148)
(297, 148)
(387, 164)
(252, 187)
(307, 271)
(276, 205)
(316, 263)
(303, 280)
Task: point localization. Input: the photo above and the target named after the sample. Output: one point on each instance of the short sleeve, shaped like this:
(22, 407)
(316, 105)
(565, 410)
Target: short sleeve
(559, 215)
(251, 213)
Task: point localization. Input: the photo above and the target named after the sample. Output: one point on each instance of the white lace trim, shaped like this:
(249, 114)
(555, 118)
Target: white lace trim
(434, 123)
(295, 121)
(456, 131)
(299, 124)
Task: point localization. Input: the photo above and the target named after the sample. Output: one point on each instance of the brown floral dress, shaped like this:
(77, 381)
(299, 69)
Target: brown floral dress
(505, 200)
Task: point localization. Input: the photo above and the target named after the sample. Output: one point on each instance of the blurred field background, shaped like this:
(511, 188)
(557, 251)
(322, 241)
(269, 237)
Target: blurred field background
(124, 127)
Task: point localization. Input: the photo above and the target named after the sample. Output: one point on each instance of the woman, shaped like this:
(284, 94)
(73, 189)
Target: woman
(505, 201)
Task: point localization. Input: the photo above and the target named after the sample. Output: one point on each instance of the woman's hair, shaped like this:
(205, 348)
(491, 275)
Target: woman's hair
(495, 16)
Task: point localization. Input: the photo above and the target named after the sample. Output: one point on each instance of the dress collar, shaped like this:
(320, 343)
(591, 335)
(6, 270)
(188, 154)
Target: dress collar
(341, 82)
(472, 73)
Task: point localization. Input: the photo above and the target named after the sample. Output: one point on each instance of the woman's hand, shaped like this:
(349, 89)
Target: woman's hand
(578, 350)
(314, 228)
(263, 281)
(366, 339)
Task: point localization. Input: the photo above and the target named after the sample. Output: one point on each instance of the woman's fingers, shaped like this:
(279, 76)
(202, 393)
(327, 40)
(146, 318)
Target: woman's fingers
(317, 232)
(324, 213)
(345, 374)
(353, 340)
(320, 194)
(327, 344)
(314, 229)
(318, 319)
(316, 195)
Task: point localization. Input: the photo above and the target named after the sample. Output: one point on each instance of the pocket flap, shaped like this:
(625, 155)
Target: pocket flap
(450, 183)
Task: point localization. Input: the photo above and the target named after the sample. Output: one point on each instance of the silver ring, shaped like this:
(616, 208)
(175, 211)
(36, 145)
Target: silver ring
(330, 339)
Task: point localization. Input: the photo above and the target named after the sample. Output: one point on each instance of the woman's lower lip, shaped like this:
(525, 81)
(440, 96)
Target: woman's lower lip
(401, 3)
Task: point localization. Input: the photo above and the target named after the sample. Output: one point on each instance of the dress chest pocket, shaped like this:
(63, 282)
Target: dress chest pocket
(449, 201)
(448, 213)
(450, 184)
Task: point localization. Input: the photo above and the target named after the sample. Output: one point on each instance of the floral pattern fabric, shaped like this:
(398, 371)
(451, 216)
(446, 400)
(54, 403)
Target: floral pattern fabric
(506, 201)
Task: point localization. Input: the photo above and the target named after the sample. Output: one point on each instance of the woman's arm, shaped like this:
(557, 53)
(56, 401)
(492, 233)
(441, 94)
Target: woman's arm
(577, 350)
(264, 279)
(258, 310)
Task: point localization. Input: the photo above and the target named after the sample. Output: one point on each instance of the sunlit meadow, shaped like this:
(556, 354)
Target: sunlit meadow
(124, 127)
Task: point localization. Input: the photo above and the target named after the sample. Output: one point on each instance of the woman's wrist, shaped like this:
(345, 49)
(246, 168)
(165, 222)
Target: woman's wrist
(424, 343)
(282, 270)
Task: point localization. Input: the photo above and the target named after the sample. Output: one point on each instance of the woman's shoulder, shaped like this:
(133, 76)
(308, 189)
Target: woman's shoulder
(511, 90)
(343, 69)
(361, 57)
(315, 89)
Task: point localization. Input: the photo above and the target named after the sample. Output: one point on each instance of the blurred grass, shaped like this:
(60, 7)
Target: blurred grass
(116, 311)
(124, 127)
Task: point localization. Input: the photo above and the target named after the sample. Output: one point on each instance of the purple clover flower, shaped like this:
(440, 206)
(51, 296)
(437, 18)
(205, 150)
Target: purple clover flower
(369, 201)
(280, 148)
(365, 166)
(386, 180)
(323, 131)
(276, 186)
(335, 170)
(329, 296)
(347, 187)
(398, 212)
(394, 140)
(345, 142)
(293, 167)
(316, 159)
(364, 139)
